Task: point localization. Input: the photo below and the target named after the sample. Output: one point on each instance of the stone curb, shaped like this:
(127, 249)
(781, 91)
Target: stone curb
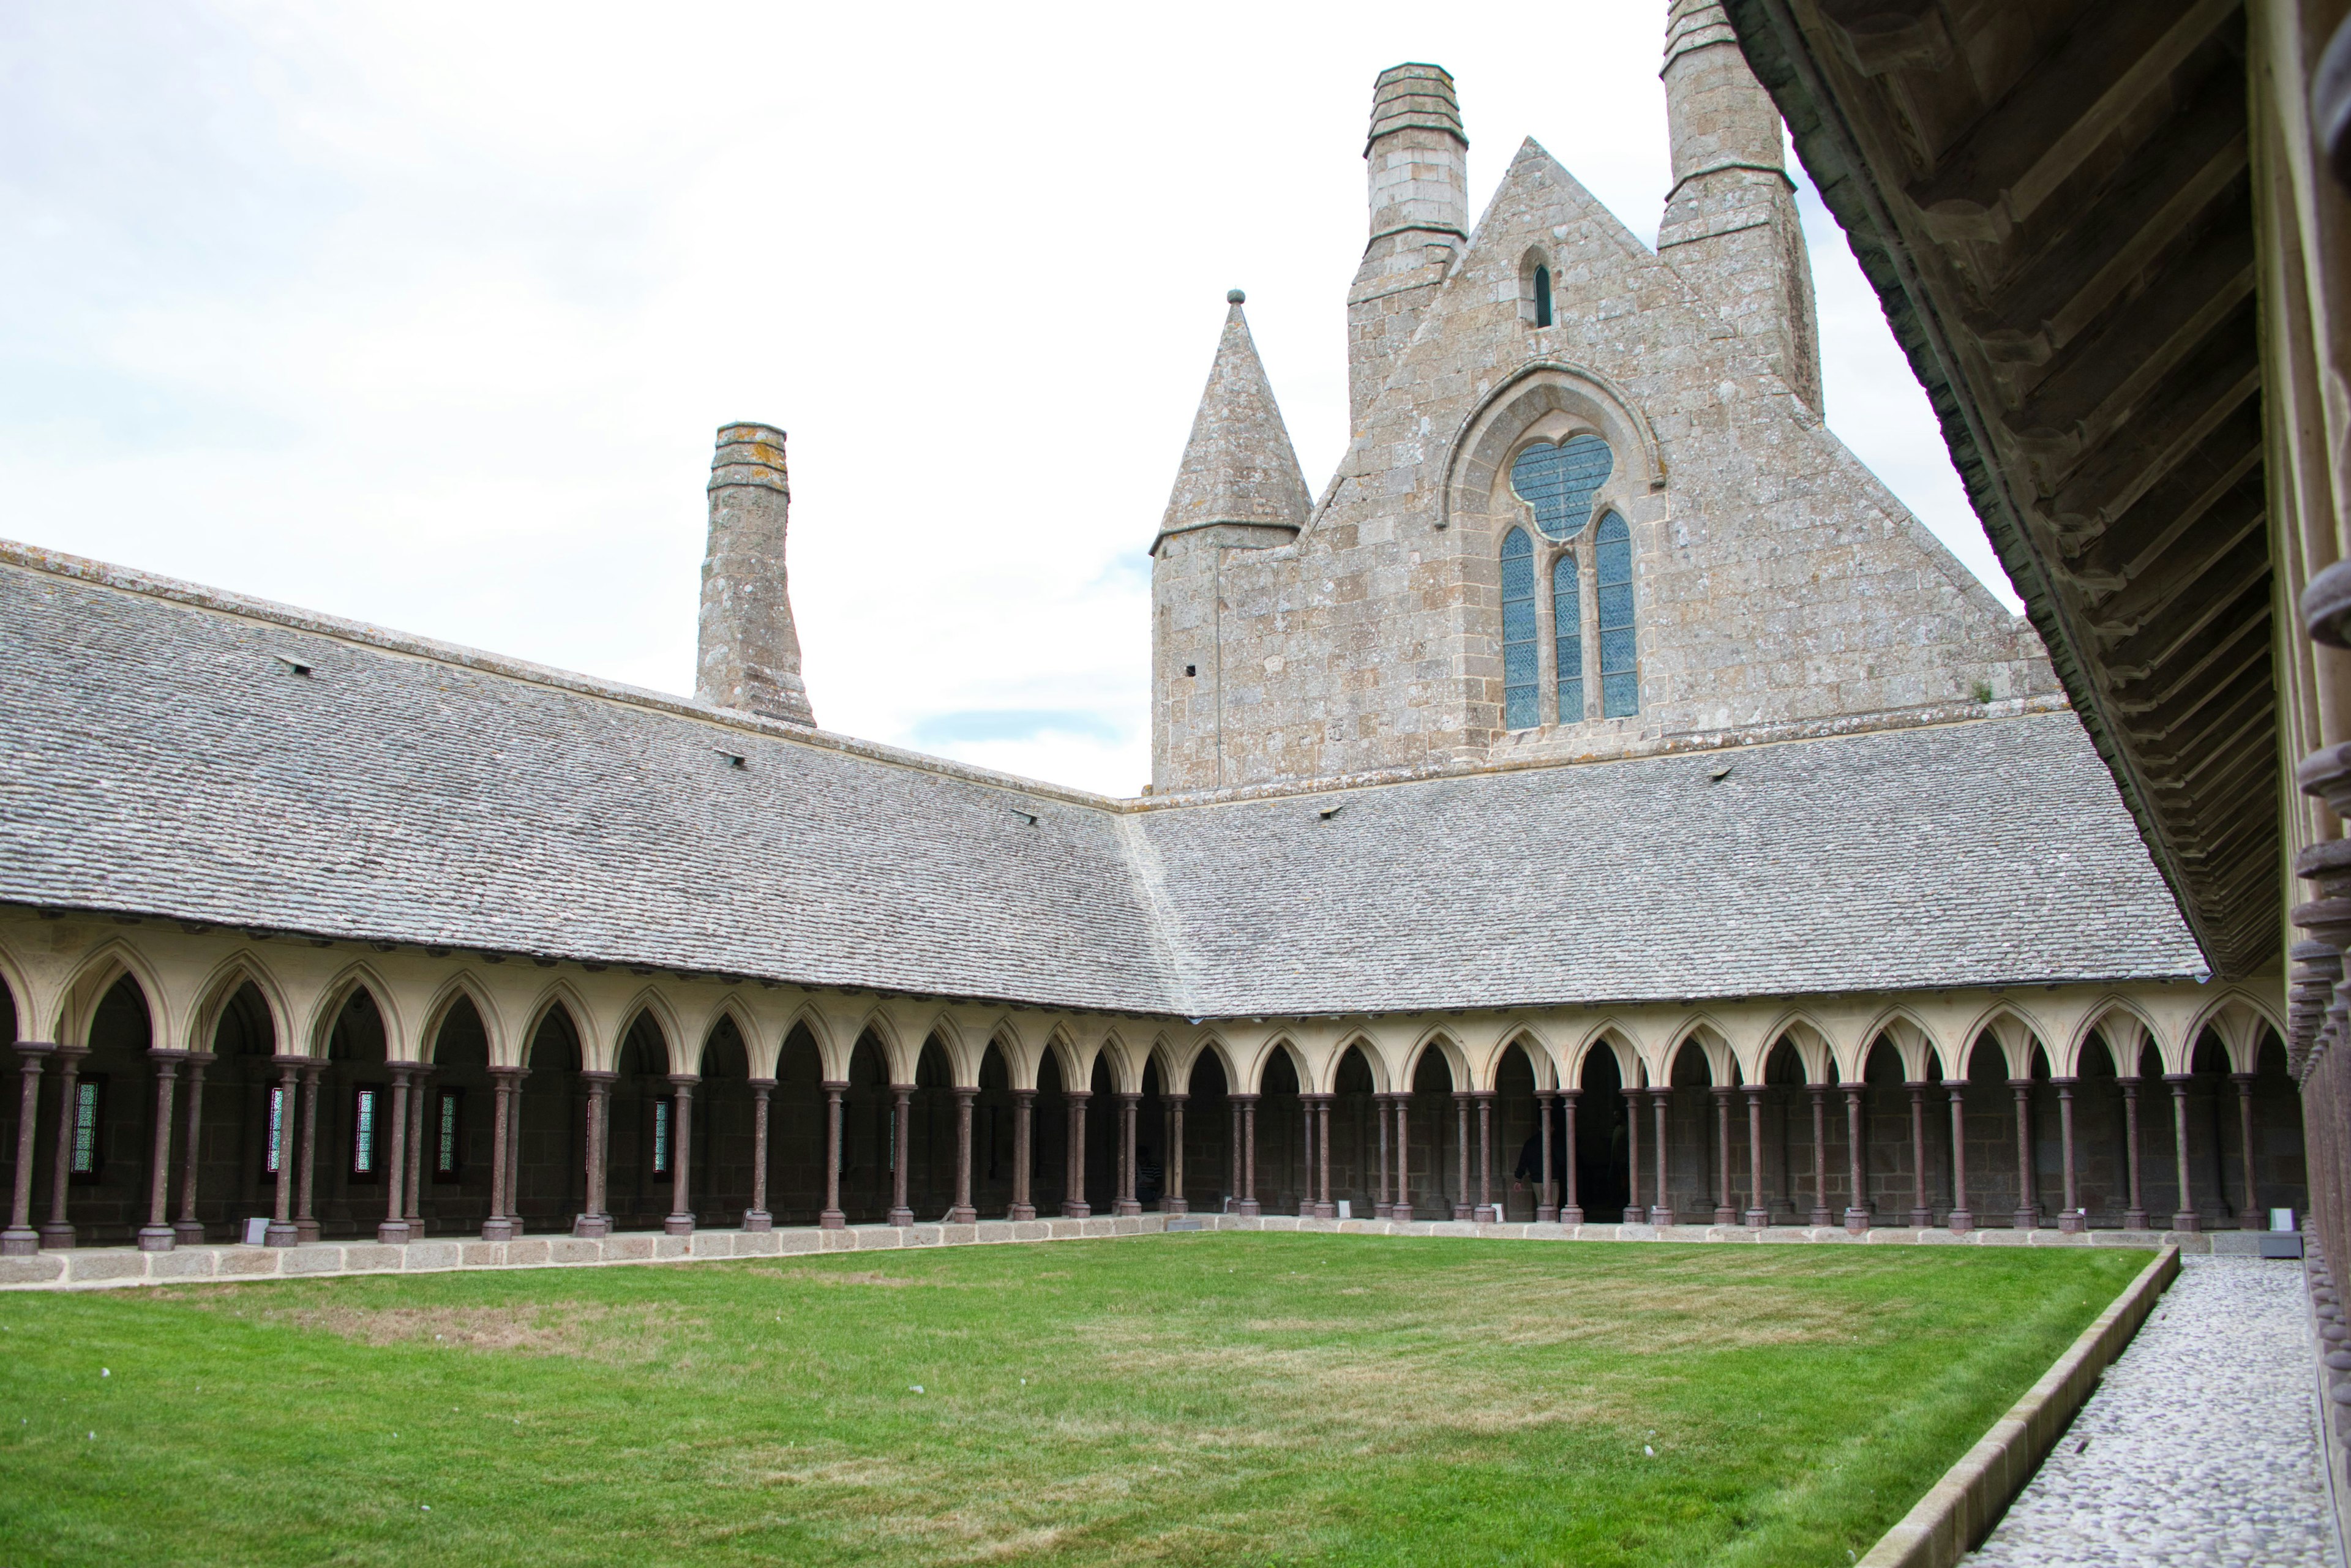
(105, 1267)
(1960, 1510)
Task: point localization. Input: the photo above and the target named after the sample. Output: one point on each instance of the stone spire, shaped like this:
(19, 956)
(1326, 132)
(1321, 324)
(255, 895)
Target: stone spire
(1238, 468)
(1417, 168)
(750, 653)
(1730, 227)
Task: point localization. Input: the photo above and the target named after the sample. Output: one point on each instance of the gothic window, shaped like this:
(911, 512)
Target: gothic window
(448, 1122)
(365, 1103)
(274, 1144)
(1560, 481)
(1611, 562)
(1519, 675)
(1567, 634)
(89, 1100)
(1542, 296)
(661, 1137)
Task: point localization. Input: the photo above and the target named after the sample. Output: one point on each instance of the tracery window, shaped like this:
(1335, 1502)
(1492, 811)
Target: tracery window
(1567, 637)
(1611, 562)
(1520, 708)
(1559, 482)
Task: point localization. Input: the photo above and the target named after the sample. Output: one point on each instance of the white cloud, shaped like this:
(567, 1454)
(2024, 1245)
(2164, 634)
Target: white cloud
(426, 314)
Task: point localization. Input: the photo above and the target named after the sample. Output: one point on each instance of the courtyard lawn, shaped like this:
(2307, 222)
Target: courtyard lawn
(1200, 1398)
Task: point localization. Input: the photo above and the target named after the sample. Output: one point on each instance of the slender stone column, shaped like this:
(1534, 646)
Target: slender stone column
(1024, 1106)
(417, 1140)
(2250, 1216)
(1962, 1219)
(1402, 1208)
(1546, 1210)
(594, 1219)
(1462, 1208)
(833, 1219)
(58, 1232)
(1130, 1115)
(281, 1231)
(963, 1213)
(680, 1219)
(2136, 1218)
(20, 1239)
(1233, 1152)
(757, 1217)
(306, 1218)
(156, 1235)
(1073, 1201)
(1634, 1213)
(392, 1228)
(1570, 1211)
(2027, 1200)
(1172, 1200)
(1922, 1213)
(1245, 1204)
(1757, 1214)
(1324, 1208)
(2072, 1219)
(1724, 1214)
(500, 1225)
(1486, 1211)
(1820, 1219)
(2186, 1218)
(1306, 1158)
(1856, 1210)
(901, 1124)
(188, 1230)
(1663, 1213)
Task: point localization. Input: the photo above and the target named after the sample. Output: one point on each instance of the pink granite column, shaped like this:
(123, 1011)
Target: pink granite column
(1024, 1105)
(1402, 1208)
(1570, 1211)
(1857, 1211)
(1922, 1214)
(1173, 1201)
(2251, 1216)
(680, 1219)
(156, 1235)
(1821, 1217)
(499, 1226)
(1546, 1210)
(1127, 1204)
(1245, 1204)
(2136, 1218)
(281, 1231)
(757, 1217)
(1758, 1215)
(1962, 1219)
(963, 1213)
(1662, 1212)
(1486, 1213)
(2027, 1200)
(2186, 1217)
(393, 1229)
(594, 1220)
(1725, 1212)
(902, 1125)
(1634, 1213)
(20, 1239)
(833, 1219)
(1324, 1208)
(1073, 1188)
(1462, 1208)
(2072, 1219)
(306, 1218)
(188, 1230)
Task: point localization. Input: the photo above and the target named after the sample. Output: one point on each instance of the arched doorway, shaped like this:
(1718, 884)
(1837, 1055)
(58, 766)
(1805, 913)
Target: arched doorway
(550, 1121)
(1603, 1160)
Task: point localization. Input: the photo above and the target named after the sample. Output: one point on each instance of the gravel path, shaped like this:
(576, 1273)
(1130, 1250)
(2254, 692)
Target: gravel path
(2199, 1446)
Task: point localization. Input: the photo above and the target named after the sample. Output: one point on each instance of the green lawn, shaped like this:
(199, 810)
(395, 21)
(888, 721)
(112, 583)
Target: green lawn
(1202, 1398)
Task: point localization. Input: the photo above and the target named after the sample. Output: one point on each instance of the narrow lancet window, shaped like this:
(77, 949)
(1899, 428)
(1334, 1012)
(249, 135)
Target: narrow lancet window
(1612, 564)
(1542, 296)
(1520, 676)
(1567, 634)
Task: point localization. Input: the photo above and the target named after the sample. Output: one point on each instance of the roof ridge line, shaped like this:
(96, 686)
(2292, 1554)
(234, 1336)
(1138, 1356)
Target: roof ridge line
(407, 645)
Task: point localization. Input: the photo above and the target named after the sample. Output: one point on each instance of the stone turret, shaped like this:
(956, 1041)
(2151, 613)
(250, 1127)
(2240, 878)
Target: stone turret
(750, 654)
(1730, 226)
(1238, 487)
(1417, 161)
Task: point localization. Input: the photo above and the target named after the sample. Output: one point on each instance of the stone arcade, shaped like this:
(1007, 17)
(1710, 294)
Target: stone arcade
(1605, 806)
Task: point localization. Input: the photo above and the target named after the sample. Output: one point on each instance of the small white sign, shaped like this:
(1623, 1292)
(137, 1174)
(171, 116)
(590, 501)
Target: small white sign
(1346, 1209)
(256, 1231)
(2280, 1219)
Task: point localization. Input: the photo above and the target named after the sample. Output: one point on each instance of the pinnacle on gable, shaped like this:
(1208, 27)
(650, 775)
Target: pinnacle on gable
(1238, 466)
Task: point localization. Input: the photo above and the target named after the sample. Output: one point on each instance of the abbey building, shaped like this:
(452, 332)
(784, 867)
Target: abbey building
(1601, 804)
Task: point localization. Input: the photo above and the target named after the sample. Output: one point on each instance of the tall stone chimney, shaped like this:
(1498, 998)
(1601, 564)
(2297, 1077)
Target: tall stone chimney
(750, 655)
(1418, 162)
(1730, 226)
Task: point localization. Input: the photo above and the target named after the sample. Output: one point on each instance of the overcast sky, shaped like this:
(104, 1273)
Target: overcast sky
(426, 314)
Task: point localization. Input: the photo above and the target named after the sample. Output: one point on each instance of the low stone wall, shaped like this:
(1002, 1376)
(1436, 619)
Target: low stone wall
(1959, 1510)
(92, 1268)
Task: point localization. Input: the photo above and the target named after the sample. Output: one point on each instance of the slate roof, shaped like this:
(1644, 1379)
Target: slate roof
(158, 756)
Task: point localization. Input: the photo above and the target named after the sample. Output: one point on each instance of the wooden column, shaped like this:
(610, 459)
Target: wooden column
(2027, 1200)
(1724, 1213)
(1922, 1214)
(757, 1217)
(2072, 1219)
(2186, 1218)
(1856, 1210)
(281, 1231)
(20, 1239)
(963, 1213)
(833, 1219)
(2136, 1218)
(1820, 1217)
(593, 1219)
(680, 1220)
(392, 1228)
(1757, 1214)
(1073, 1200)
(188, 1229)
(1962, 1219)
(156, 1235)
(1024, 1106)
(901, 1123)
(1546, 1210)
(1570, 1211)
(1172, 1200)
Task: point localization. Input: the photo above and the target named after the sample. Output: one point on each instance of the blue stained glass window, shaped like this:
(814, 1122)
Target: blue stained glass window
(363, 1132)
(85, 1128)
(277, 1140)
(1560, 481)
(1611, 562)
(1520, 676)
(661, 1137)
(446, 1148)
(1567, 634)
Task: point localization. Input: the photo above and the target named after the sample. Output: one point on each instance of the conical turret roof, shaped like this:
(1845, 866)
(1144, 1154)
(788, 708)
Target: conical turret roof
(1239, 466)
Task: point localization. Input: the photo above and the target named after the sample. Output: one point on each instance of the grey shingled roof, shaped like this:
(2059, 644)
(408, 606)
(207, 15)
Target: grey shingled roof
(156, 757)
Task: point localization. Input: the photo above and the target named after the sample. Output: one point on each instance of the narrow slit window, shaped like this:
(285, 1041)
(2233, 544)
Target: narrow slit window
(661, 1137)
(272, 1149)
(1620, 681)
(90, 1097)
(1567, 637)
(1542, 296)
(1520, 674)
(364, 1107)
(447, 1148)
